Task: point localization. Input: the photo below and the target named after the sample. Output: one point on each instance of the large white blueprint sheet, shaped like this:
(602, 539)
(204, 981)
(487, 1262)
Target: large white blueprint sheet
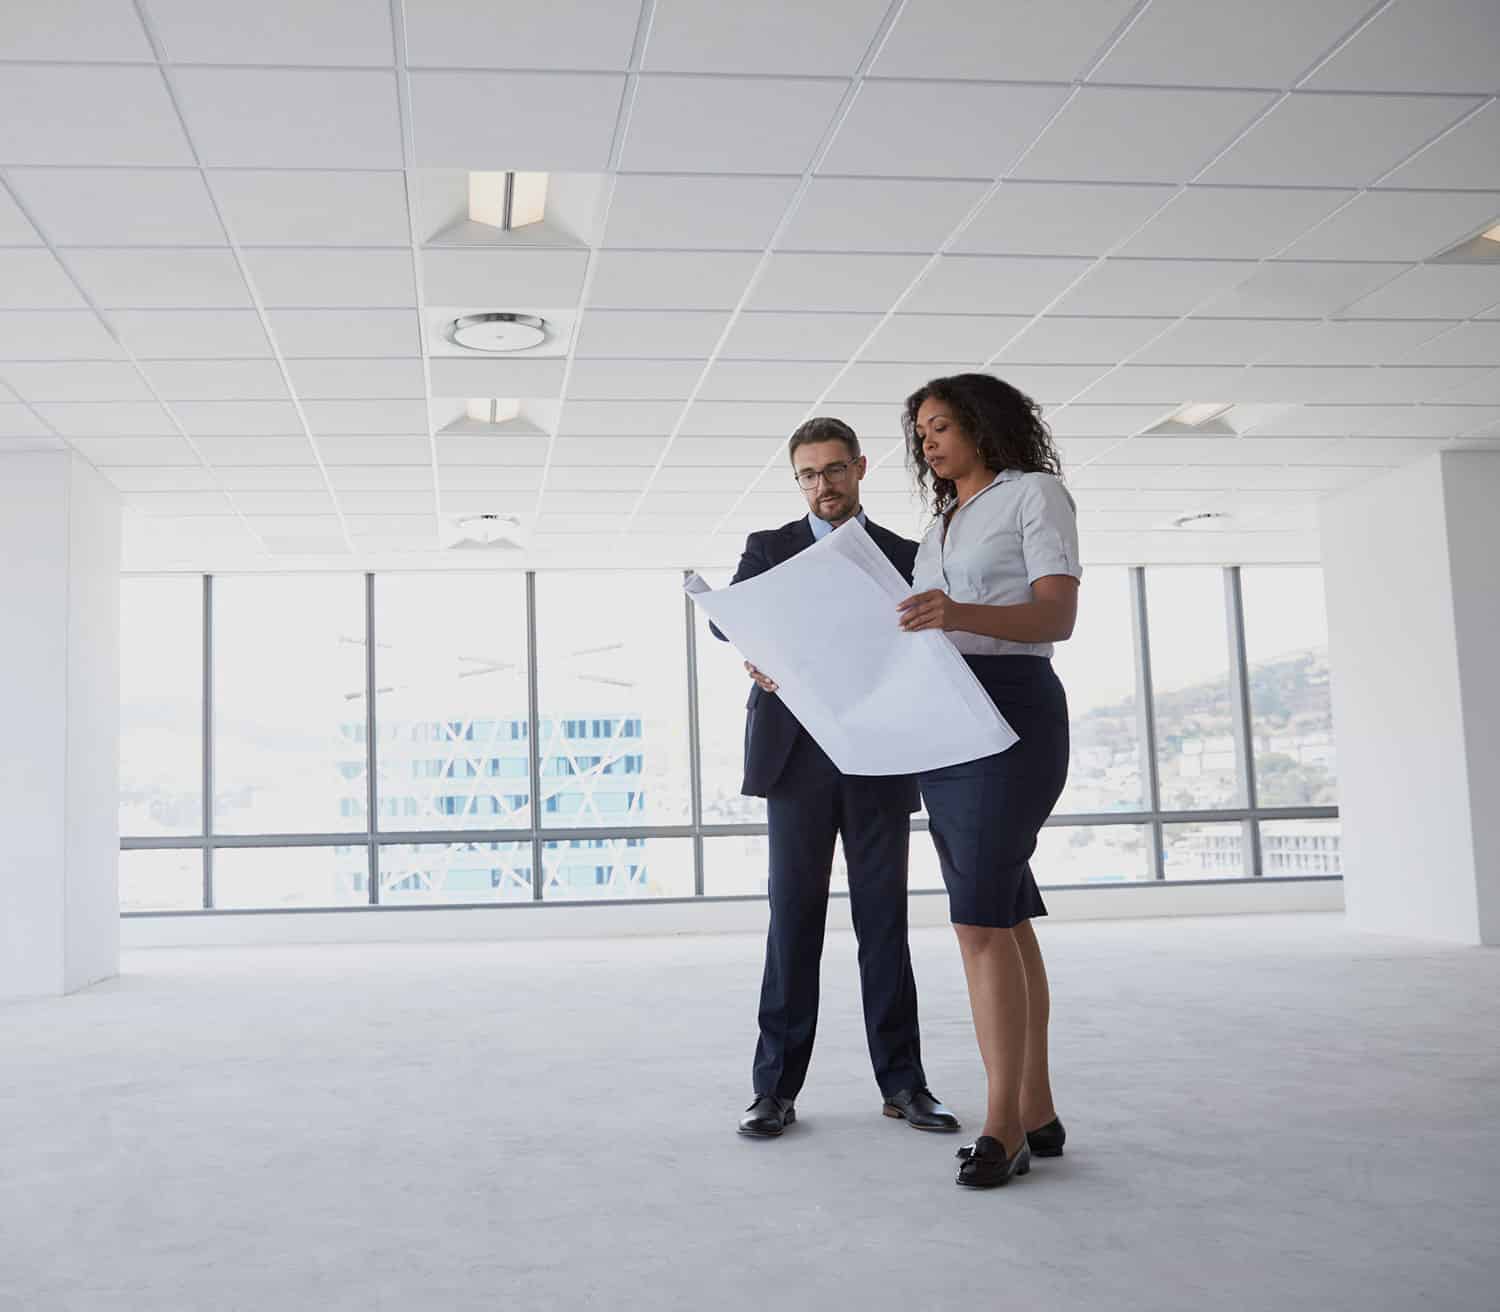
(877, 699)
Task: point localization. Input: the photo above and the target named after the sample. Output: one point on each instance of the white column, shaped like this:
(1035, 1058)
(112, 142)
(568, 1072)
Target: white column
(1411, 564)
(59, 717)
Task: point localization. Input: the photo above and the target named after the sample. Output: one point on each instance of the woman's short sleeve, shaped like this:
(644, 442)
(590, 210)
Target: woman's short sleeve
(1049, 528)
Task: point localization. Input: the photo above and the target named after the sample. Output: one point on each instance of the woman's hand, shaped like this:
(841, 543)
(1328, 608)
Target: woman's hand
(766, 683)
(929, 610)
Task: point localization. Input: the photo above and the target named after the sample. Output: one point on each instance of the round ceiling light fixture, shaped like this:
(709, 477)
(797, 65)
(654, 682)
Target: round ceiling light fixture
(498, 333)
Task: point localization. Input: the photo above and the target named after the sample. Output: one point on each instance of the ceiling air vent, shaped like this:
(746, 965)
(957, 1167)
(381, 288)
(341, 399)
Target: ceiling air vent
(487, 532)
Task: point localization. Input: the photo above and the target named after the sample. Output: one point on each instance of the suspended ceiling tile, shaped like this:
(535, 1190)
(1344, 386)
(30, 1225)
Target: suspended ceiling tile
(992, 284)
(580, 34)
(81, 116)
(120, 206)
(556, 122)
(1335, 140)
(1060, 218)
(32, 279)
(1023, 40)
(768, 335)
(775, 36)
(308, 207)
(1139, 134)
(83, 380)
(728, 125)
(1433, 291)
(1150, 287)
(649, 333)
(848, 282)
(333, 334)
(671, 280)
(152, 278)
(1233, 223)
(1434, 45)
(1186, 42)
(878, 214)
(291, 118)
(311, 279)
(1467, 157)
(322, 32)
(1293, 289)
(902, 129)
(1398, 225)
(687, 212)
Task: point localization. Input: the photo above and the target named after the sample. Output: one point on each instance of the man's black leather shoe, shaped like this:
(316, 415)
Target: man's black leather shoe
(767, 1116)
(919, 1109)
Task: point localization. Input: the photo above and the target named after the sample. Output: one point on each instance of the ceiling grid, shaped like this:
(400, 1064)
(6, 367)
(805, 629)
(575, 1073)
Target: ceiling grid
(224, 273)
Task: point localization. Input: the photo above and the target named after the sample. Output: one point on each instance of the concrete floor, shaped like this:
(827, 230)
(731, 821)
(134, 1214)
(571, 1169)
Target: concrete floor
(1264, 1112)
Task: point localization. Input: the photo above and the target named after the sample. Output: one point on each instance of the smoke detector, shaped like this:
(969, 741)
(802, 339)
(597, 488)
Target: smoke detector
(497, 333)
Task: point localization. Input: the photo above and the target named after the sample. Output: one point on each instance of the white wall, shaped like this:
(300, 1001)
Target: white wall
(59, 714)
(92, 829)
(1405, 579)
(1471, 490)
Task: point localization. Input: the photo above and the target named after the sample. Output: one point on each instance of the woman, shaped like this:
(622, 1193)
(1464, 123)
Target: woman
(998, 571)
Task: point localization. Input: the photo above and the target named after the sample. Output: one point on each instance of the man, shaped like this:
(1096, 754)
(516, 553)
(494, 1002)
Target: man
(808, 804)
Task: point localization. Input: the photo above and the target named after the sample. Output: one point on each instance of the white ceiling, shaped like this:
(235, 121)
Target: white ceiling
(227, 252)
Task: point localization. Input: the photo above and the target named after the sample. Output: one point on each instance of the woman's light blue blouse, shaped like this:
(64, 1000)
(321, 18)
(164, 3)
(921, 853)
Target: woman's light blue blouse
(1020, 528)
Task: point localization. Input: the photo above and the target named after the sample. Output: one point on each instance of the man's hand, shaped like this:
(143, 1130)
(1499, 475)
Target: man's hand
(929, 610)
(767, 684)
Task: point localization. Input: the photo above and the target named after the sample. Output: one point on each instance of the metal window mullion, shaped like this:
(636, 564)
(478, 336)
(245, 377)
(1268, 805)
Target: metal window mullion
(695, 747)
(1146, 716)
(372, 799)
(533, 737)
(1239, 697)
(207, 782)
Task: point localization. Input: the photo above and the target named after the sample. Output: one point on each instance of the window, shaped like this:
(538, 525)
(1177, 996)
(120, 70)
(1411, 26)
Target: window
(1212, 851)
(166, 880)
(450, 657)
(618, 868)
(723, 688)
(279, 878)
(161, 706)
(1097, 666)
(1195, 745)
(289, 703)
(1092, 854)
(1300, 848)
(1286, 648)
(611, 654)
(454, 730)
(434, 873)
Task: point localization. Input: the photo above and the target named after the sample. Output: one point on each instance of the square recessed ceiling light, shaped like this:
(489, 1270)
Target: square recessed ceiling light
(507, 200)
(1197, 413)
(486, 410)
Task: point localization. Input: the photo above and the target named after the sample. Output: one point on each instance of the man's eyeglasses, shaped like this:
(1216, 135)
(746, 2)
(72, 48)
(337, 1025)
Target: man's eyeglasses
(834, 473)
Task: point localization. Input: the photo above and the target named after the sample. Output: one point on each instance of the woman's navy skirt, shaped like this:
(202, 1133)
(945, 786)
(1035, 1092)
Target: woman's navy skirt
(984, 815)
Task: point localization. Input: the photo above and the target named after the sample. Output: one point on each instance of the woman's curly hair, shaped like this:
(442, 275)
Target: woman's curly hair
(1004, 423)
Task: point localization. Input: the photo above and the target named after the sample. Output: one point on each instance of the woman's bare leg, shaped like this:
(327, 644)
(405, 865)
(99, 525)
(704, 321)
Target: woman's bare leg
(997, 996)
(1036, 1080)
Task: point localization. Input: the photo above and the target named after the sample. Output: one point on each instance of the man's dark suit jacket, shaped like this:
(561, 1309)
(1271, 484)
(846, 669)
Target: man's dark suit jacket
(770, 729)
